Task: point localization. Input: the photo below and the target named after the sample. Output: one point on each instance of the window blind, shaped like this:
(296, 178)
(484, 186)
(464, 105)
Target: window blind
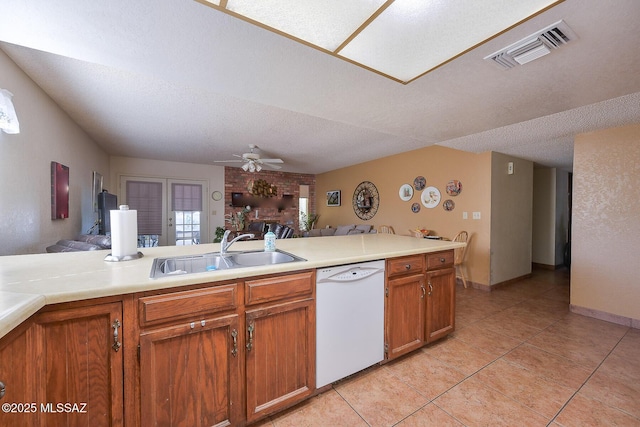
(186, 197)
(146, 198)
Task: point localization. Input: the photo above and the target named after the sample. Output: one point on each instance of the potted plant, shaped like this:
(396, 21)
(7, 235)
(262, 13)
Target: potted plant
(237, 219)
(219, 233)
(308, 221)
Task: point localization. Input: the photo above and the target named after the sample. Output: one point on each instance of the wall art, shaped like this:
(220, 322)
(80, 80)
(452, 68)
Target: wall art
(59, 191)
(454, 187)
(333, 198)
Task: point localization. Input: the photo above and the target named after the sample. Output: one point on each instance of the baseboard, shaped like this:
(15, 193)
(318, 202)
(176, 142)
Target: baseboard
(474, 285)
(546, 266)
(607, 317)
(509, 282)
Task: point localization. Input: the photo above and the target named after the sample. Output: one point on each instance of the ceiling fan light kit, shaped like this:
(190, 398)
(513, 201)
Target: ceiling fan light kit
(252, 162)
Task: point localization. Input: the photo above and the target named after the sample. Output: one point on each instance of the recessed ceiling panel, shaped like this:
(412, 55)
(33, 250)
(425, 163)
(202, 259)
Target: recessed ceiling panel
(324, 23)
(412, 37)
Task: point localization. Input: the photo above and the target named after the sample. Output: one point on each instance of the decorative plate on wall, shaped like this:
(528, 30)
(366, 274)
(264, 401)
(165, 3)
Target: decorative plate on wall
(448, 205)
(454, 187)
(366, 200)
(430, 197)
(406, 192)
(419, 182)
(415, 208)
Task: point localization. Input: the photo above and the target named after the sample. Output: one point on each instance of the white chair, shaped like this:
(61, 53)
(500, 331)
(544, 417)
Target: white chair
(459, 255)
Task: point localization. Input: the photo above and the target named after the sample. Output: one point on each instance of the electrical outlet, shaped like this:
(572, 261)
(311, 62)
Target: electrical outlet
(465, 215)
(476, 215)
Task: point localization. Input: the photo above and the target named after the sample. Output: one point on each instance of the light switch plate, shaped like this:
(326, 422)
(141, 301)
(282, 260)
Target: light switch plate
(465, 215)
(476, 215)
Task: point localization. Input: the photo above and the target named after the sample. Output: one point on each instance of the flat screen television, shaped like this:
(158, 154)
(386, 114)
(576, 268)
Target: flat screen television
(106, 203)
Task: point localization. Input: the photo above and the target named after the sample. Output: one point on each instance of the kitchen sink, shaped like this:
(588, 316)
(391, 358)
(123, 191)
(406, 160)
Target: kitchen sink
(248, 259)
(166, 267)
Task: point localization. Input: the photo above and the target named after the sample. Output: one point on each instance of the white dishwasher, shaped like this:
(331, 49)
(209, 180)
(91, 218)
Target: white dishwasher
(349, 319)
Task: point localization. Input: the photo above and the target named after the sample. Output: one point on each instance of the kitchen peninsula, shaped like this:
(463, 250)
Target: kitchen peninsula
(53, 305)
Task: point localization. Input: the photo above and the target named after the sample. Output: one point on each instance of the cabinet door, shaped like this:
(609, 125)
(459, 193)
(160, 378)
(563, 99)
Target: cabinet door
(441, 299)
(404, 315)
(79, 367)
(190, 374)
(280, 359)
(17, 379)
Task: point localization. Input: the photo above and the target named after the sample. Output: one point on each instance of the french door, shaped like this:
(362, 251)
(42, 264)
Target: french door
(170, 211)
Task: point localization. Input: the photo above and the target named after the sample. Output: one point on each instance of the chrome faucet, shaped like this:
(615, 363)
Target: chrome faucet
(224, 244)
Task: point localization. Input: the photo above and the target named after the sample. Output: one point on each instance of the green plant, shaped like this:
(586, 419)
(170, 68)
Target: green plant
(237, 219)
(219, 233)
(308, 221)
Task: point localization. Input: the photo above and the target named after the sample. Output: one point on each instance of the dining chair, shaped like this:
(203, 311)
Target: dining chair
(459, 255)
(386, 229)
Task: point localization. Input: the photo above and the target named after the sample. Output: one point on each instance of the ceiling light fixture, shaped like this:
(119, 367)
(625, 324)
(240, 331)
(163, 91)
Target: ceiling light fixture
(8, 118)
(398, 39)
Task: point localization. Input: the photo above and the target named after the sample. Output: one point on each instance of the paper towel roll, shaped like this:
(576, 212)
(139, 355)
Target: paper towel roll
(124, 232)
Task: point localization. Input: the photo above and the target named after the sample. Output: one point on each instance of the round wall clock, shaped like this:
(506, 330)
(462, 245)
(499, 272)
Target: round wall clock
(366, 200)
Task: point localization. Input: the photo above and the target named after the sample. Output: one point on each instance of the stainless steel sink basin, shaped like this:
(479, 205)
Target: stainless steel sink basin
(249, 259)
(165, 267)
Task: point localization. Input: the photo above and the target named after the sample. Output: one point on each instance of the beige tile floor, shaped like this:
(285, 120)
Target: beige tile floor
(518, 358)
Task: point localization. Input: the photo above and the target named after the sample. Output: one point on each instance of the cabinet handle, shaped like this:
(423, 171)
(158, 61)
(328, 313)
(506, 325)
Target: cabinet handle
(234, 335)
(442, 260)
(407, 266)
(116, 344)
(3, 389)
(430, 289)
(250, 343)
(424, 291)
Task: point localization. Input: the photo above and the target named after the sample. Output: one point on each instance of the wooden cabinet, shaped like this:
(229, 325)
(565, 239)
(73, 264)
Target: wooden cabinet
(72, 368)
(17, 377)
(190, 358)
(420, 301)
(441, 295)
(404, 314)
(226, 354)
(280, 342)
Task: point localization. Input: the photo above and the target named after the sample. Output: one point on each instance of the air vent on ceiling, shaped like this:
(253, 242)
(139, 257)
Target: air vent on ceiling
(534, 46)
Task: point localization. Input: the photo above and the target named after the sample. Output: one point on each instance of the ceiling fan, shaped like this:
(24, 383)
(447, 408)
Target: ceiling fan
(252, 161)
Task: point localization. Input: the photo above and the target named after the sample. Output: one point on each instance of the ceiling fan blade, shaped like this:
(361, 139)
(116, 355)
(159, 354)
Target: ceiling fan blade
(272, 160)
(272, 166)
(229, 161)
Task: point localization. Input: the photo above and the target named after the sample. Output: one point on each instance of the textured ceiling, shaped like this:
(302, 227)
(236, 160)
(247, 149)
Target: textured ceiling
(176, 80)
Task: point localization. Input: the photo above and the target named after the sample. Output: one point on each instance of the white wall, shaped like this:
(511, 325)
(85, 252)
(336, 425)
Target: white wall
(46, 134)
(562, 215)
(511, 218)
(605, 270)
(213, 175)
(544, 216)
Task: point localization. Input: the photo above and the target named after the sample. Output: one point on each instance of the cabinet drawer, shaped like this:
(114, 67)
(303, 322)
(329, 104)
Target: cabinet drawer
(404, 265)
(187, 304)
(278, 287)
(439, 260)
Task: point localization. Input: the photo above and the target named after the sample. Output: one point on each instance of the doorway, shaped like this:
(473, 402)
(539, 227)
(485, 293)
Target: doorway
(170, 211)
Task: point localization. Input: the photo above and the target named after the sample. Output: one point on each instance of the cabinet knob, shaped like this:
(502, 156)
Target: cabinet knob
(442, 260)
(407, 267)
(2, 389)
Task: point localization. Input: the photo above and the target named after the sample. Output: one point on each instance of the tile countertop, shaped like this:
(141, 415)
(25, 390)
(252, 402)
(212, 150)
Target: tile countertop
(29, 282)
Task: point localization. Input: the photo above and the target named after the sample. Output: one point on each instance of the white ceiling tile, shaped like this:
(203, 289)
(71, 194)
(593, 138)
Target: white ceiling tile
(324, 23)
